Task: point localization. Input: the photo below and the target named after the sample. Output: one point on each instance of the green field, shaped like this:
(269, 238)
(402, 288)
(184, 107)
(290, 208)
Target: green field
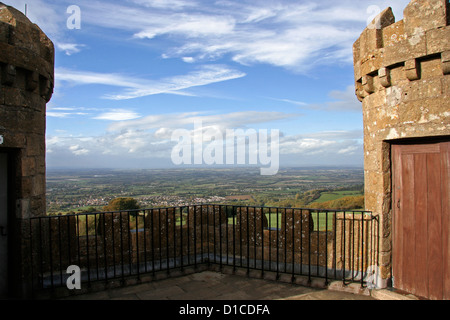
(334, 195)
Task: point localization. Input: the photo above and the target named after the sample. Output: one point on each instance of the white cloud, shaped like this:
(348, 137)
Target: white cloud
(78, 151)
(167, 4)
(65, 114)
(150, 137)
(204, 76)
(323, 144)
(136, 88)
(87, 77)
(243, 119)
(294, 102)
(188, 59)
(191, 26)
(69, 48)
(117, 115)
(291, 34)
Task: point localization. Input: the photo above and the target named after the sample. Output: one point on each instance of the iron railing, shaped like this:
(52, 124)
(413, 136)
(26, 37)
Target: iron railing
(328, 244)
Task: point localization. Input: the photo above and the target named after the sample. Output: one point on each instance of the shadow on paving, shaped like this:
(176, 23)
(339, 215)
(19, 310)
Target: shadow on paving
(211, 285)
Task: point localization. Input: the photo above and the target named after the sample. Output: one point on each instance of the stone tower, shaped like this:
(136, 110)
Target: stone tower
(26, 85)
(402, 77)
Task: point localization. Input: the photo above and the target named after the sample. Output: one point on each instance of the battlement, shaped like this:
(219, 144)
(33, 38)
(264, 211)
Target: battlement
(26, 54)
(385, 45)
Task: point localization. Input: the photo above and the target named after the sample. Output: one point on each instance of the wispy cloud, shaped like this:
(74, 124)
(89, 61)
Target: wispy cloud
(341, 101)
(118, 115)
(296, 35)
(135, 87)
(65, 114)
(69, 48)
(206, 75)
(323, 143)
(294, 102)
(170, 122)
(167, 4)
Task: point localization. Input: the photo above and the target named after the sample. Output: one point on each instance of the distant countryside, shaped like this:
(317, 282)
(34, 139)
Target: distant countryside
(81, 191)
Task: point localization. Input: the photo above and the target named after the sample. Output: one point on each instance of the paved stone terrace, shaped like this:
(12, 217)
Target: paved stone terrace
(211, 285)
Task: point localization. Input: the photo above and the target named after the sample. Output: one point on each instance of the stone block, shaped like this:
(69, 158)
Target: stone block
(430, 68)
(422, 89)
(296, 225)
(368, 84)
(35, 145)
(28, 166)
(371, 62)
(384, 19)
(45, 89)
(23, 209)
(412, 69)
(394, 96)
(438, 40)
(393, 34)
(409, 48)
(384, 75)
(420, 112)
(446, 87)
(375, 100)
(8, 74)
(113, 228)
(359, 91)
(32, 80)
(423, 15)
(37, 206)
(209, 215)
(356, 51)
(445, 60)
(38, 185)
(4, 32)
(162, 220)
(398, 76)
(26, 185)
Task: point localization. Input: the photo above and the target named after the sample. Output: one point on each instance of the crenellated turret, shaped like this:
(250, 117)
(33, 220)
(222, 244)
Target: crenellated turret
(385, 45)
(402, 77)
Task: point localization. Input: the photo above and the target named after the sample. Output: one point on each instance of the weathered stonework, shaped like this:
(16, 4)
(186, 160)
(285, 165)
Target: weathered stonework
(402, 78)
(26, 85)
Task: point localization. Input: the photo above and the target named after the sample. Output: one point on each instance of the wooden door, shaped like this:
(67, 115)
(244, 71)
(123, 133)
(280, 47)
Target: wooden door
(421, 219)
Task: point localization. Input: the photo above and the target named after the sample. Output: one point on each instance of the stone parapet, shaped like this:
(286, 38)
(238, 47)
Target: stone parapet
(26, 54)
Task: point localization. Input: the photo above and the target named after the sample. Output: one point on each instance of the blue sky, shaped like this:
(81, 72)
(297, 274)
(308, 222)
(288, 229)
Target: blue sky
(136, 70)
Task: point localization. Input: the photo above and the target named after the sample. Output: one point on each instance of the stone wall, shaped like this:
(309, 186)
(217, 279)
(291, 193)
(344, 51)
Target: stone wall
(26, 85)
(402, 77)
(156, 238)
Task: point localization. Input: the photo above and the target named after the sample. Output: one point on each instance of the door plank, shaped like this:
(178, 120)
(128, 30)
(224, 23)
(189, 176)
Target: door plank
(421, 225)
(435, 258)
(408, 222)
(397, 239)
(445, 187)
